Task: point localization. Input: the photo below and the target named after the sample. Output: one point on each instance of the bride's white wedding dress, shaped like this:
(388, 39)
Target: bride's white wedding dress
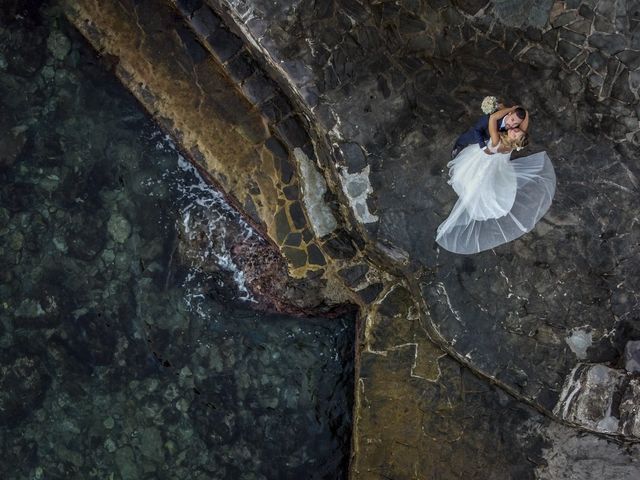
(499, 199)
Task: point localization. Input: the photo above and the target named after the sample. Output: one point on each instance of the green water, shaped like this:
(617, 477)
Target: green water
(119, 358)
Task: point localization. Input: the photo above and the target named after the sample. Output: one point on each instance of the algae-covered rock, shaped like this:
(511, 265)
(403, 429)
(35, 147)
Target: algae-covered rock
(58, 44)
(119, 228)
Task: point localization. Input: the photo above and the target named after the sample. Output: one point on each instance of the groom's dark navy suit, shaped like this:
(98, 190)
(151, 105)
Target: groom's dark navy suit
(479, 133)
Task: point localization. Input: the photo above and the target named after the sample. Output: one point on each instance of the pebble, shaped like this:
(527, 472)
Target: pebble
(108, 423)
(109, 445)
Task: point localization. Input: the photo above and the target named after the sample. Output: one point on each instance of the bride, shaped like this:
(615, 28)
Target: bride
(499, 199)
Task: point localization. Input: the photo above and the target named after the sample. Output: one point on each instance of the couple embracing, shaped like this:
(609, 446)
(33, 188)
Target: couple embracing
(500, 199)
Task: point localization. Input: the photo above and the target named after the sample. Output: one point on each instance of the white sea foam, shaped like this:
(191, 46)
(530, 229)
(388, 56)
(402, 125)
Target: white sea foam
(203, 209)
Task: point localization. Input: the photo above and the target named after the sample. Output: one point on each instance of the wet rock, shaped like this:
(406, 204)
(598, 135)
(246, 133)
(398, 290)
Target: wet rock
(296, 256)
(275, 146)
(126, 462)
(193, 48)
(315, 255)
(204, 21)
(293, 239)
(151, 443)
(632, 356)
(297, 215)
(291, 192)
(579, 341)
(241, 66)
(397, 302)
(340, 245)
(608, 43)
(293, 132)
(630, 410)
(314, 188)
(258, 88)
(187, 7)
(353, 157)
(59, 45)
(282, 226)
(119, 228)
(23, 384)
(85, 239)
(11, 146)
(355, 274)
(370, 292)
(630, 58)
(224, 43)
(588, 397)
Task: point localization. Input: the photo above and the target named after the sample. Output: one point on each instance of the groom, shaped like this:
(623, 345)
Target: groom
(479, 133)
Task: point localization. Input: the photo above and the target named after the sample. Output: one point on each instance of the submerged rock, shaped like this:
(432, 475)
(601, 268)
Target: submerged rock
(59, 45)
(23, 384)
(119, 228)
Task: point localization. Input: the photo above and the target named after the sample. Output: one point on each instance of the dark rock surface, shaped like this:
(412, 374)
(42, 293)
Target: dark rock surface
(388, 87)
(508, 310)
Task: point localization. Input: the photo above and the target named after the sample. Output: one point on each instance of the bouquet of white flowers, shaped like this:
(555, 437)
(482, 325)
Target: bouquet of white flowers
(489, 105)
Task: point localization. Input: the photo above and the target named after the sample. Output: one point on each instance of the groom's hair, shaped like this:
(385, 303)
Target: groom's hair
(520, 112)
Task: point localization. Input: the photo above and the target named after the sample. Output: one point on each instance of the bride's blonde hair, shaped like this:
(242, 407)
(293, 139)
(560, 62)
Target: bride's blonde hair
(515, 143)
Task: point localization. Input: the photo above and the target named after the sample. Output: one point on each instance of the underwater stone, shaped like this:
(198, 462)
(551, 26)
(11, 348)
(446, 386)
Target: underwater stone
(17, 240)
(119, 228)
(59, 45)
(23, 384)
(151, 443)
(109, 445)
(126, 463)
(108, 423)
(29, 308)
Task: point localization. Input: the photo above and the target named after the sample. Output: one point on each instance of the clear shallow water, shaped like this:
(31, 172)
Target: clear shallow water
(119, 358)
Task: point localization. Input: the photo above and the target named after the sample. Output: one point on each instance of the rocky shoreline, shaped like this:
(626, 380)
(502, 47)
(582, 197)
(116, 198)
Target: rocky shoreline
(329, 124)
(122, 354)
